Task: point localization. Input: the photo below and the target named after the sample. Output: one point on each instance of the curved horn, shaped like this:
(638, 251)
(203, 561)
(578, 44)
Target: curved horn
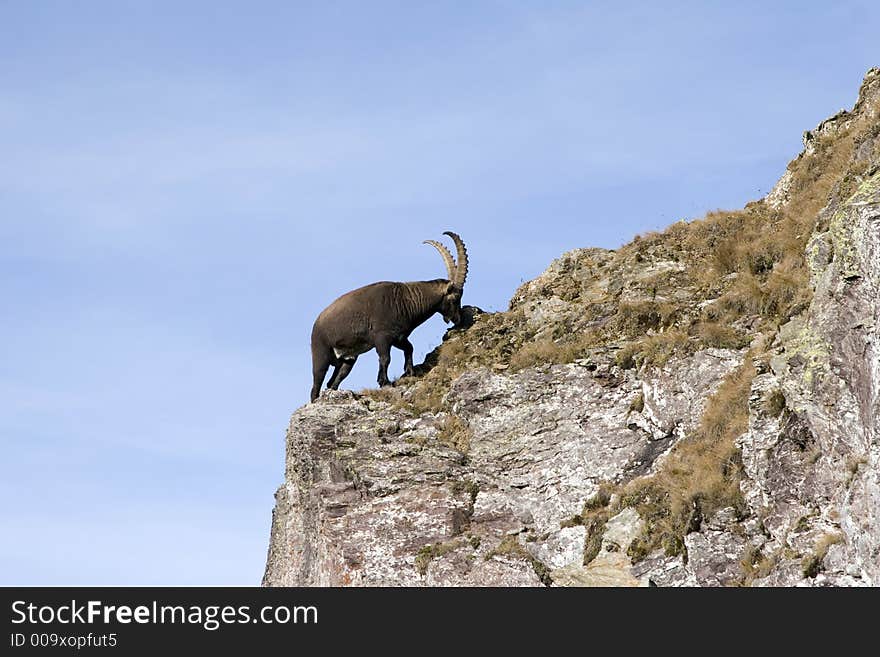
(447, 258)
(461, 269)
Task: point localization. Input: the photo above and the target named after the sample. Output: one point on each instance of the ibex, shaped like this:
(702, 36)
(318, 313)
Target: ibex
(382, 315)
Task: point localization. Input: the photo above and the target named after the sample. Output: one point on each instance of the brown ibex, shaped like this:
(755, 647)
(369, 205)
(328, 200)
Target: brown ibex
(382, 315)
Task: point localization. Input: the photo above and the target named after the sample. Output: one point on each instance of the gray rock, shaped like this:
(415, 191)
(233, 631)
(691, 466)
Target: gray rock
(815, 464)
(714, 557)
(622, 530)
(660, 570)
(675, 395)
(607, 569)
(362, 502)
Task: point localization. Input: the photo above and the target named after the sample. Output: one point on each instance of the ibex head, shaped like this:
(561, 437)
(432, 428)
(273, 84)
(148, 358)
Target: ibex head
(450, 306)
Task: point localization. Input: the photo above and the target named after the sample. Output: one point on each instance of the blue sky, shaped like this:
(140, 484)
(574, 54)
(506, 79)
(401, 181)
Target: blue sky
(184, 186)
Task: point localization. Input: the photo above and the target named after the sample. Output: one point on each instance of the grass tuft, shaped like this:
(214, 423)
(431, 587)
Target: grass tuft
(700, 476)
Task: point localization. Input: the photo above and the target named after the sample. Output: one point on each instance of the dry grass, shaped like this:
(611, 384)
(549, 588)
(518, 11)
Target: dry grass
(549, 351)
(451, 359)
(774, 403)
(755, 565)
(853, 465)
(715, 334)
(637, 405)
(743, 297)
(512, 548)
(786, 291)
(427, 553)
(455, 432)
(638, 318)
(653, 350)
(812, 564)
(700, 476)
(429, 396)
(752, 259)
(750, 262)
(492, 340)
(593, 518)
(388, 394)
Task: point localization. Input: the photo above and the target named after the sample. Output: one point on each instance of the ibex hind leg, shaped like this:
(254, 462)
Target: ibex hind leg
(406, 347)
(321, 362)
(343, 367)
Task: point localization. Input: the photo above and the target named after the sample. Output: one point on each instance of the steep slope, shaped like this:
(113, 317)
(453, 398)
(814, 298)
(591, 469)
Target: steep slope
(698, 407)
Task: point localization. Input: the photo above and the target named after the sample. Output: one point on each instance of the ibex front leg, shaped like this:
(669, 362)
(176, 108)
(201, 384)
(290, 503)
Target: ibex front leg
(383, 348)
(406, 347)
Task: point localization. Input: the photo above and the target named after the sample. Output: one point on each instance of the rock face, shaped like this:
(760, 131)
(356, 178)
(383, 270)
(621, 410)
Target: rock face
(814, 468)
(522, 473)
(374, 496)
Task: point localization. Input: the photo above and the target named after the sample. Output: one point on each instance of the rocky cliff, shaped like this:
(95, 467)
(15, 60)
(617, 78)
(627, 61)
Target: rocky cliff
(699, 407)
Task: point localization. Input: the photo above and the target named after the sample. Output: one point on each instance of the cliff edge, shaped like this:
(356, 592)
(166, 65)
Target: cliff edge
(698, 407)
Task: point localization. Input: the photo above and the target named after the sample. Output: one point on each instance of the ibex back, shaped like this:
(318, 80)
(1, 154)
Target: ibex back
(382, 315)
